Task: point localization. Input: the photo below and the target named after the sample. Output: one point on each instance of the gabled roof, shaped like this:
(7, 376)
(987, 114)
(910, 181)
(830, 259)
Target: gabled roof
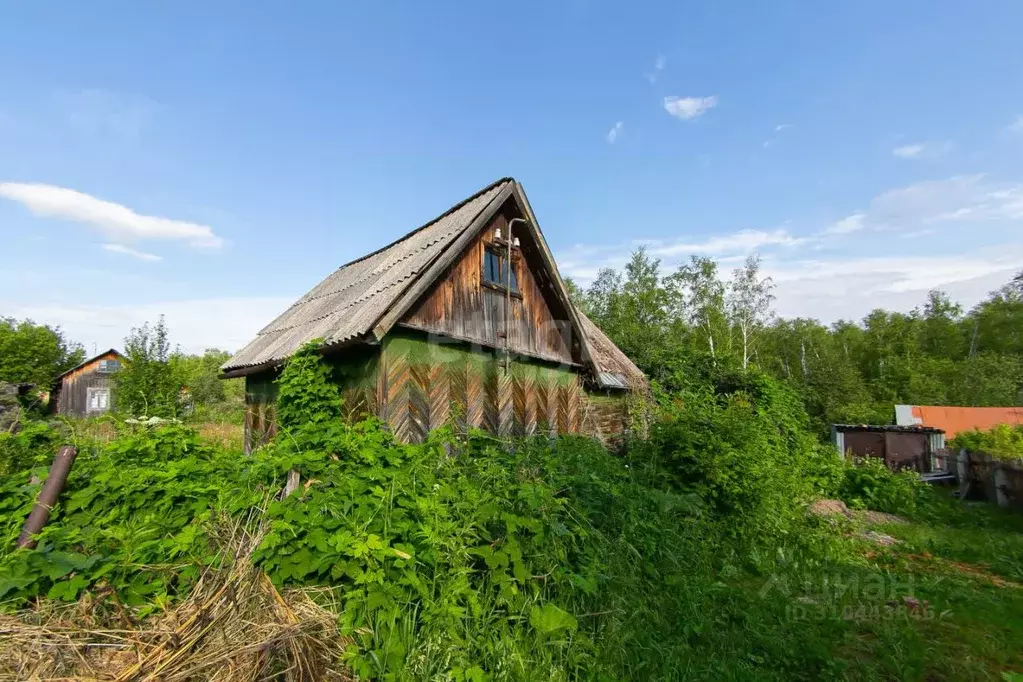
(363, 299)
(954, 420)
(86, 362)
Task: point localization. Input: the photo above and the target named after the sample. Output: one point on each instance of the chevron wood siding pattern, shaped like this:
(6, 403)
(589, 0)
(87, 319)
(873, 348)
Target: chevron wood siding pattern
(524, 396)
(505, 404)
(397, 404)
(475, 398)
(439, 396)
(546, 398)
(491, 422)
(568, 407)
(419, 402)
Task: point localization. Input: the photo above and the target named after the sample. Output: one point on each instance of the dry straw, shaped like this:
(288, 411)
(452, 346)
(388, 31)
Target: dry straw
(235, 626)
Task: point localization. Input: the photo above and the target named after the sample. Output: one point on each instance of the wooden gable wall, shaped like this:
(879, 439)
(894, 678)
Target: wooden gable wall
(461, 306)
(72, 395)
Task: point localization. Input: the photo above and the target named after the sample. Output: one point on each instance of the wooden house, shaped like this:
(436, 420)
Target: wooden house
(87, 389)
(436, 328)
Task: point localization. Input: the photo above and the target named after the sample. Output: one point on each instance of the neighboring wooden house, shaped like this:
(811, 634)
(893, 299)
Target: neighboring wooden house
(87, 389)
(427, 330)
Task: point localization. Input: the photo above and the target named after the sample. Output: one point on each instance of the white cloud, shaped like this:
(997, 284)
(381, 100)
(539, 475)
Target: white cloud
(908, 151)
(956, 199)
(782, 126)
(1016, 126)
(849, 288)
(923, 150)
(118, 222)
(688, 108)
(853, 223)
(742, 242)
(128, 251)
(226, 323)
(615, 131)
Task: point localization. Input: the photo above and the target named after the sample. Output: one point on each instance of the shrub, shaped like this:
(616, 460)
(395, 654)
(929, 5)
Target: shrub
(1003, 441)
(870, 484)
(33, 445)
(741, 442)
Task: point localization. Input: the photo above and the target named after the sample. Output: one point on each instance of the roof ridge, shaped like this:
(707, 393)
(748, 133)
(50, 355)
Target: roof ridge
(427, 224)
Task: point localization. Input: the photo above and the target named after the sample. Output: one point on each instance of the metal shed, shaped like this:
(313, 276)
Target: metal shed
(915, 447)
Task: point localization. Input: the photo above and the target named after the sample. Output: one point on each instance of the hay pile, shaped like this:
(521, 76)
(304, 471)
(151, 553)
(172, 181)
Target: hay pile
(235, 626)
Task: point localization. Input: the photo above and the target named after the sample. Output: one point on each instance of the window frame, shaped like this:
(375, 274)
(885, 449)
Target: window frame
(500, 252)
(95, 391)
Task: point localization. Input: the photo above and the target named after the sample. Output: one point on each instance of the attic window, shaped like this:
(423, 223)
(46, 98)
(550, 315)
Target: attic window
(494, 273)
(108, 366)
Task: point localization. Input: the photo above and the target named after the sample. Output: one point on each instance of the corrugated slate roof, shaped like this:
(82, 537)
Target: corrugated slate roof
(348, 302)
(614, 368)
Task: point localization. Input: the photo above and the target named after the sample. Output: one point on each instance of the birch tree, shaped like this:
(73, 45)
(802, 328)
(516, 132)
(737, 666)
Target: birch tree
(702, 297)
(749, 303)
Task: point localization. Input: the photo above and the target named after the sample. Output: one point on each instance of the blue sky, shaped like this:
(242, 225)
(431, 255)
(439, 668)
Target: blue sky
(213, 161)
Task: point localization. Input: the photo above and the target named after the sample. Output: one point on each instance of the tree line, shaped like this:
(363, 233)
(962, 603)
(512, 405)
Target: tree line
(671, 323)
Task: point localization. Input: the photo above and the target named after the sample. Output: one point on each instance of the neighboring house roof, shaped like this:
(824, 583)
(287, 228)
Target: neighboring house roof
(86, 362)
(363, 299)
(953, 420)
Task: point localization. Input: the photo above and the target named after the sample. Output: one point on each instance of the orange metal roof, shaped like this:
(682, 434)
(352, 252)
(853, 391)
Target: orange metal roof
(955, 420)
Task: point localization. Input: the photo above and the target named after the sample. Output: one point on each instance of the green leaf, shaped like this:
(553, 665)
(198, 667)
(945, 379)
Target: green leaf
(549, 619)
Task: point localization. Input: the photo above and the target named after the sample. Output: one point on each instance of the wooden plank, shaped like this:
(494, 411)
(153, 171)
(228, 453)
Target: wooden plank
(398, 395)
(440, 406)
(419, 401)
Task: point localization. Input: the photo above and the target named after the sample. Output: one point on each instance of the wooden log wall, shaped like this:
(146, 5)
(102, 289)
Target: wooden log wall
(605, 416)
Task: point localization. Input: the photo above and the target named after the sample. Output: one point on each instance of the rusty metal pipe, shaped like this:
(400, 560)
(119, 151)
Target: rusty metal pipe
(48, 496)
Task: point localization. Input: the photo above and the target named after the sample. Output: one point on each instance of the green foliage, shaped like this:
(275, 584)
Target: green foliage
(200, 374)
(36, 354)
(870, 484)
(140, 501)
(464, 559)
(1003, 441)
(28, 448)
(146, 384)
(845, 373)
(740, 441)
